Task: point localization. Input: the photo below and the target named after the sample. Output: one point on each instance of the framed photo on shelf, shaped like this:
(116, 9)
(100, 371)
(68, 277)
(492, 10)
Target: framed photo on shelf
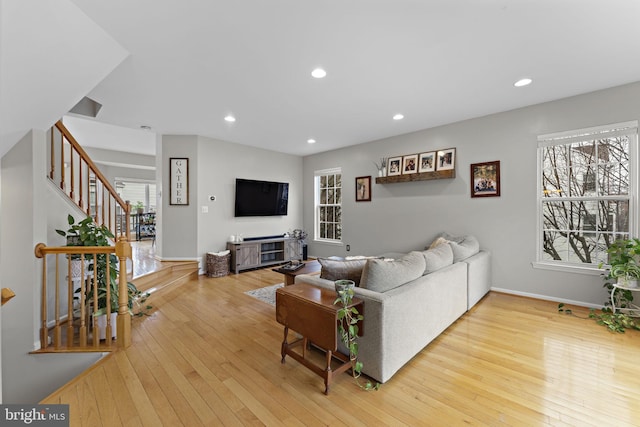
(394, 166)
(179, 181)
(485, 179)
(363, 189)
(427, 162)
(410, 164)
(446, 159)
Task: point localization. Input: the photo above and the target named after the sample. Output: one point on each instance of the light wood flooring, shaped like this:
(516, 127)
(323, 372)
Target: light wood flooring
(210, 355)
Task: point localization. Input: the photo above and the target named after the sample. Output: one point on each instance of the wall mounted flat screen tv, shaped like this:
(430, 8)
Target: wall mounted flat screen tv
(261, 198)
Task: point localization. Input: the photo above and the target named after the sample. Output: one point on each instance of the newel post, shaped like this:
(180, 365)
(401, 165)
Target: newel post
(123, 322)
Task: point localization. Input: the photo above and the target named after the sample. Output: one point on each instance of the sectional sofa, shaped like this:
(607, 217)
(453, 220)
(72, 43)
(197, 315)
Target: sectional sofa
(409, 299)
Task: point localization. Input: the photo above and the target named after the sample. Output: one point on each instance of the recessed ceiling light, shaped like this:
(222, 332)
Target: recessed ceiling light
(398, 117)
(319, 73)
(311, 141)
(229, 118)
(523, 82)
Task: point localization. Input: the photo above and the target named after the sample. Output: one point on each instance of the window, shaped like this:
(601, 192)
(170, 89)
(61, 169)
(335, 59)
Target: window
(138, 191)
(586, 193)
(328, 211)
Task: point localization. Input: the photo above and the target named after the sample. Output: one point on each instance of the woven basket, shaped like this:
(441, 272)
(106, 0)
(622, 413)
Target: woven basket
(218, 266)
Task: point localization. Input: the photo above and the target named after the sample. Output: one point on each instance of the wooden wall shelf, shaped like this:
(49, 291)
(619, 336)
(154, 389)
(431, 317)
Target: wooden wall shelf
(424, 176)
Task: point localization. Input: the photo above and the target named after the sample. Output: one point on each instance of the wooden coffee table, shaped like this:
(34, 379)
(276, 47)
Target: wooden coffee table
(310, 267)
(309, 311)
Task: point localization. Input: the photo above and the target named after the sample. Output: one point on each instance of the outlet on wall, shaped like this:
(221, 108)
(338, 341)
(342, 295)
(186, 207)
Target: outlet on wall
(348, 248)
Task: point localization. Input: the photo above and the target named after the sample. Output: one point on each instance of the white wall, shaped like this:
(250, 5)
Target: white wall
(30, 212)
(406, 216)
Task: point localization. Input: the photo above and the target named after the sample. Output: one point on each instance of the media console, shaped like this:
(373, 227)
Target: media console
(262, 252)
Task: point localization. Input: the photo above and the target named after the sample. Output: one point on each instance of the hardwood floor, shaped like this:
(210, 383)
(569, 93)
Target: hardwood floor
(210, 355)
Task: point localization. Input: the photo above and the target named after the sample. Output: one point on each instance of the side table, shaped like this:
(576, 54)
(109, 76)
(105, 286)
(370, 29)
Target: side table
(309, 311)
(633, 310)
(311, 267)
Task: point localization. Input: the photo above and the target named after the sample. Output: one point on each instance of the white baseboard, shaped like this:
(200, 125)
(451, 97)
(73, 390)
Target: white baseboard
(177, 259)
(546, 298)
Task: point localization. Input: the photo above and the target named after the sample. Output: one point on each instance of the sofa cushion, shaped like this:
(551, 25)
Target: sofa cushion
(333, 269)
(381, 275)
(463, 246)
(437, 258)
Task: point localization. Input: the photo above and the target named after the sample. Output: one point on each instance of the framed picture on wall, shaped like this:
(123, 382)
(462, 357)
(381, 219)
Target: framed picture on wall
(485, 179)
(179, 181)
(427, 162)
(446, 159)
(410, 164)
(363, 189)
(394, 166)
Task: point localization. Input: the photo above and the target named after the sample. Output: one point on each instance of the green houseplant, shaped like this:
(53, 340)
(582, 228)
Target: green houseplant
(348, 318)
(624, 262)
(623, 270)
(88, 233)
(138, 206)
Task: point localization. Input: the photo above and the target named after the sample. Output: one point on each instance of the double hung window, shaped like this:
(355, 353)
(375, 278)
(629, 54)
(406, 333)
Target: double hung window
(328, 205)
(586, 193)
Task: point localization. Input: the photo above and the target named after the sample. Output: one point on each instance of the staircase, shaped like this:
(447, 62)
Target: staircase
(68, 317)
(170, 275)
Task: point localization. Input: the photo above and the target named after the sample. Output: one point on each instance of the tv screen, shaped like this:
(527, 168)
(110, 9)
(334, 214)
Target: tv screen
(261, 198)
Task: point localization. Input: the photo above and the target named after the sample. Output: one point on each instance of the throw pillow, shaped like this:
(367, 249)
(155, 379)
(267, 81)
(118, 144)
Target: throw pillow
(463, 247)
(437, 258)
(380, 275)
(439, 241)
(333, 269)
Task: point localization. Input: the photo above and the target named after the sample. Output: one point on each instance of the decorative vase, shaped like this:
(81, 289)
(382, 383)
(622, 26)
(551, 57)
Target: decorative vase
(102, 325)
(628, 282)
(384, 171)
(343, 285)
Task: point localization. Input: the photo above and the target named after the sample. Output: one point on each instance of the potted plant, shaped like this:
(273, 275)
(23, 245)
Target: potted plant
(348, 318)
(623, 270)
(88, 233)
(624, 262)
(139, 207)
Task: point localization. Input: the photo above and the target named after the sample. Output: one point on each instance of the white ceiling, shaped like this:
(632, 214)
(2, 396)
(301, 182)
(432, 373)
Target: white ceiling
(192, 62)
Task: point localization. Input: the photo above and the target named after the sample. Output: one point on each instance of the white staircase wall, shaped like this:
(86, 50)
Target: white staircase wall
(51, 56)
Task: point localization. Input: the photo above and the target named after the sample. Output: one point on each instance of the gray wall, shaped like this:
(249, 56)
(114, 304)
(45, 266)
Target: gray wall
(185, 232)
(30, 210)
(220, 163)
(117, 164)
(406, 216)
(178, 239)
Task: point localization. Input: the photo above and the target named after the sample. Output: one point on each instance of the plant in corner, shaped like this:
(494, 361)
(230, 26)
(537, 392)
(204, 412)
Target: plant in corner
(348, 318)
(624, 270)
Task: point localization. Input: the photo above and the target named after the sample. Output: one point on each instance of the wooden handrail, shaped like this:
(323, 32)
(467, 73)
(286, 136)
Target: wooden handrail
(81, 331)
(119, 226)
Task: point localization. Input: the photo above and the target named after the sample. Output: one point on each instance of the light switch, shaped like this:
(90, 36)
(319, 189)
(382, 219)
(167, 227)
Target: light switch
(205, 209)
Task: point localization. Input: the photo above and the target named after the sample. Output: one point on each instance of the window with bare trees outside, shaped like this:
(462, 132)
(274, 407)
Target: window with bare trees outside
(586, 193)
(328, 212)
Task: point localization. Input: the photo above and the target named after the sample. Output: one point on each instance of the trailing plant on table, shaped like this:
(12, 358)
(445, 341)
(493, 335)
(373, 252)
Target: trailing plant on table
(348, 318)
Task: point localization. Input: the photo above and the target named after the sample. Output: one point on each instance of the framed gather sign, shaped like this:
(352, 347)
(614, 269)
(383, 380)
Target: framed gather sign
(179, 181)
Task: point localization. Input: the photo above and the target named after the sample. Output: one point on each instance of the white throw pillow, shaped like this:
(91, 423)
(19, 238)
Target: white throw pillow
(380, 275)
(437, 258)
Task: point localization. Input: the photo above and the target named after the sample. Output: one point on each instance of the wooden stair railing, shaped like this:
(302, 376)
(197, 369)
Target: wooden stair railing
(81, 180)
(68, 320)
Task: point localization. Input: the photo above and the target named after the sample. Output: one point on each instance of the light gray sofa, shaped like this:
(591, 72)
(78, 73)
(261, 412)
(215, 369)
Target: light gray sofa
(400, 322)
